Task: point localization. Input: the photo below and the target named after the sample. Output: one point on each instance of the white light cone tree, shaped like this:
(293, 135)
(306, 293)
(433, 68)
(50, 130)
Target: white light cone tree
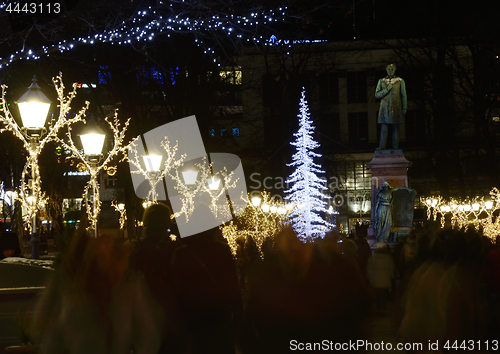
(306, 192)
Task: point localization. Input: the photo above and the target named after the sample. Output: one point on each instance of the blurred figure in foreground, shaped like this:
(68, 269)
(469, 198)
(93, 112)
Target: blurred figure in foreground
(195, 281)
(151, 259)
(298, 293)
(9, 243)
(422, 318)
(364, 253)
(380, 274)
(491, 275)
(206, 286)
(94, 304)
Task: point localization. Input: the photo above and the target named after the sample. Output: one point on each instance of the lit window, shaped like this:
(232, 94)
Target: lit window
(496, 119)
(211, 133)
(231, 76)
(236, 131)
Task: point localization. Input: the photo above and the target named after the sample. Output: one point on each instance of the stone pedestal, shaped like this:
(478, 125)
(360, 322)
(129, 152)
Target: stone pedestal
(387, 166)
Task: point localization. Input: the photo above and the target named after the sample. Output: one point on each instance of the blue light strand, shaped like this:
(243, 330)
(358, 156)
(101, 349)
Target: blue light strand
(141, 29)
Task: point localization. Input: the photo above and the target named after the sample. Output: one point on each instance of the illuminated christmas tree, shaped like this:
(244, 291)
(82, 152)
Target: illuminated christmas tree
(306, 192)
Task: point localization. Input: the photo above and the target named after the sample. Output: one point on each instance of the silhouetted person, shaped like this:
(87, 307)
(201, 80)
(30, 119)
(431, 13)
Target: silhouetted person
(9, 243)
(93, 304)
(152, 258)
(206, 286)
(364, 253)
(423, 319)
(381, 274)
(491, 275)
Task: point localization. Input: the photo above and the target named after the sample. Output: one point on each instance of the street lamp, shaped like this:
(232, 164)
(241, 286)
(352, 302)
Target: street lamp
(153, 174)
(156, 165)
(189, 177)
(214, 184)
(92, 138)
(152, 162)
(120, 207)
(33, 107)
(256, 201)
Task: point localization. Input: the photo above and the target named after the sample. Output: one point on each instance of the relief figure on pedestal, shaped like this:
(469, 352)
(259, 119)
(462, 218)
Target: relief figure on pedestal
(394, 207)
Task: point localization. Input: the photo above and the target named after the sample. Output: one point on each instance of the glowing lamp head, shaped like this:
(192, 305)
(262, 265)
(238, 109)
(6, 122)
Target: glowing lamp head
(273, 209)
(213, 184)
(488, 204)
(152, 162)
(256, 201)
(92, 138)
(281, 210)
(121, 206)
(190, 177)
(475, 206)
(265, 208)
(34, 107)
(30, 200)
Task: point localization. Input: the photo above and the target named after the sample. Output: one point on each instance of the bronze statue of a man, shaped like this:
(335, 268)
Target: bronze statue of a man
(391, 90)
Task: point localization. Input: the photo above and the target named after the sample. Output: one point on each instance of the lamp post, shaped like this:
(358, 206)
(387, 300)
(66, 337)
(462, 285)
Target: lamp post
(92, 138)
(153, 174)
(33, 107)
(190, 177)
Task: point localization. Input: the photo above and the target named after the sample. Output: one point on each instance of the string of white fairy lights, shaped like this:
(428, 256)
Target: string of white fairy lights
(31, 196)
(120, 208)
(480, 213)
(153, 177)
(263, 219)
(148, 23)
(94, 167)
(207, 181)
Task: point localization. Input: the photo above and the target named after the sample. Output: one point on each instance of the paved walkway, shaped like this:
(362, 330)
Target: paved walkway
(383, 328)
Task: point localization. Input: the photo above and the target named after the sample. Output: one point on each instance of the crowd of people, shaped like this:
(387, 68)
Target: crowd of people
(192, 296)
